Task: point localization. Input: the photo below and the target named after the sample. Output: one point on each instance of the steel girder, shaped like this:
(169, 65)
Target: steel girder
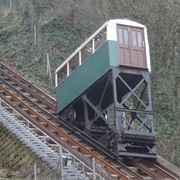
(117, 112)
(133, 112)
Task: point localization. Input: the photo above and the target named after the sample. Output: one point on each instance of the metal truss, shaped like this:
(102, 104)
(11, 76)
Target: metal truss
(117, 112)
(133, 112)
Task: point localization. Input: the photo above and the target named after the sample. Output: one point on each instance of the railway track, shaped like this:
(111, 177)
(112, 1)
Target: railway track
(39, 108)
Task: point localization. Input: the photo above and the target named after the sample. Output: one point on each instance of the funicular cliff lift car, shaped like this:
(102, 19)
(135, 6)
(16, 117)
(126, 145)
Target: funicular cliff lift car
(103, 88)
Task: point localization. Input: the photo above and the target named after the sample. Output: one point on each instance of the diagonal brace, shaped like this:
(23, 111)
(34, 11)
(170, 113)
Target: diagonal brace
(98, 112)
(132, 91)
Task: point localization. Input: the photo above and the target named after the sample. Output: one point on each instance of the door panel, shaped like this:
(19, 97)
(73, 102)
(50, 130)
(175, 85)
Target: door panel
(125, 55)
(131, 47)
(124, 50)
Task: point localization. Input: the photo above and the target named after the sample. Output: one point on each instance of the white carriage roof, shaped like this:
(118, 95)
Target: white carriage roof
(126, 22)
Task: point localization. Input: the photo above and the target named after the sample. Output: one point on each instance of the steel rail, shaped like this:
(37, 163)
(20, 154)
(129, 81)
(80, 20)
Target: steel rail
(158, 169)
(33, 87)
(61, 121)
(151, 169)
(28, 87)
(57, 132)
(72, 128)
(77, 132)
(145, 169)
(51, 128)
(31, 102)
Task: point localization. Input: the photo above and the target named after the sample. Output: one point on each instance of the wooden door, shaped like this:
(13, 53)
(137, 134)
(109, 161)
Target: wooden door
(131, 47)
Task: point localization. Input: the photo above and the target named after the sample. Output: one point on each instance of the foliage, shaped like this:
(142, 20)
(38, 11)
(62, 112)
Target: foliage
(63, 25)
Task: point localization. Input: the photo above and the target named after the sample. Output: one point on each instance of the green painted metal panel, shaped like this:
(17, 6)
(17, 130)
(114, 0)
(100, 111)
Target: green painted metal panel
(87, 74)
(113, 53)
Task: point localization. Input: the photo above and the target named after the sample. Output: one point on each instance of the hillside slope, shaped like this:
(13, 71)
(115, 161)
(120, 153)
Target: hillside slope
(62, 26)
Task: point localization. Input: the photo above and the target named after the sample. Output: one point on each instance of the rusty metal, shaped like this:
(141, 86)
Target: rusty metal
(145, 169)
(151, 169)
(116, 111)
(28, 87)
(167, 166)
(158, 169)
(32, 102)
(48, 126)
(38, 116)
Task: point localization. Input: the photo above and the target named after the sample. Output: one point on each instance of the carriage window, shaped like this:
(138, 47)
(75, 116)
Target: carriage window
(139, 38)
(134, 38)
(120, 36)
(62, 74)
(126, 39)
(86, 51)
(74, 63)
(100, 39)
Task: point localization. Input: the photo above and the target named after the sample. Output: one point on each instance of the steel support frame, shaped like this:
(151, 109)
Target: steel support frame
(136, 133)
(121, 107)
(129, 129)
